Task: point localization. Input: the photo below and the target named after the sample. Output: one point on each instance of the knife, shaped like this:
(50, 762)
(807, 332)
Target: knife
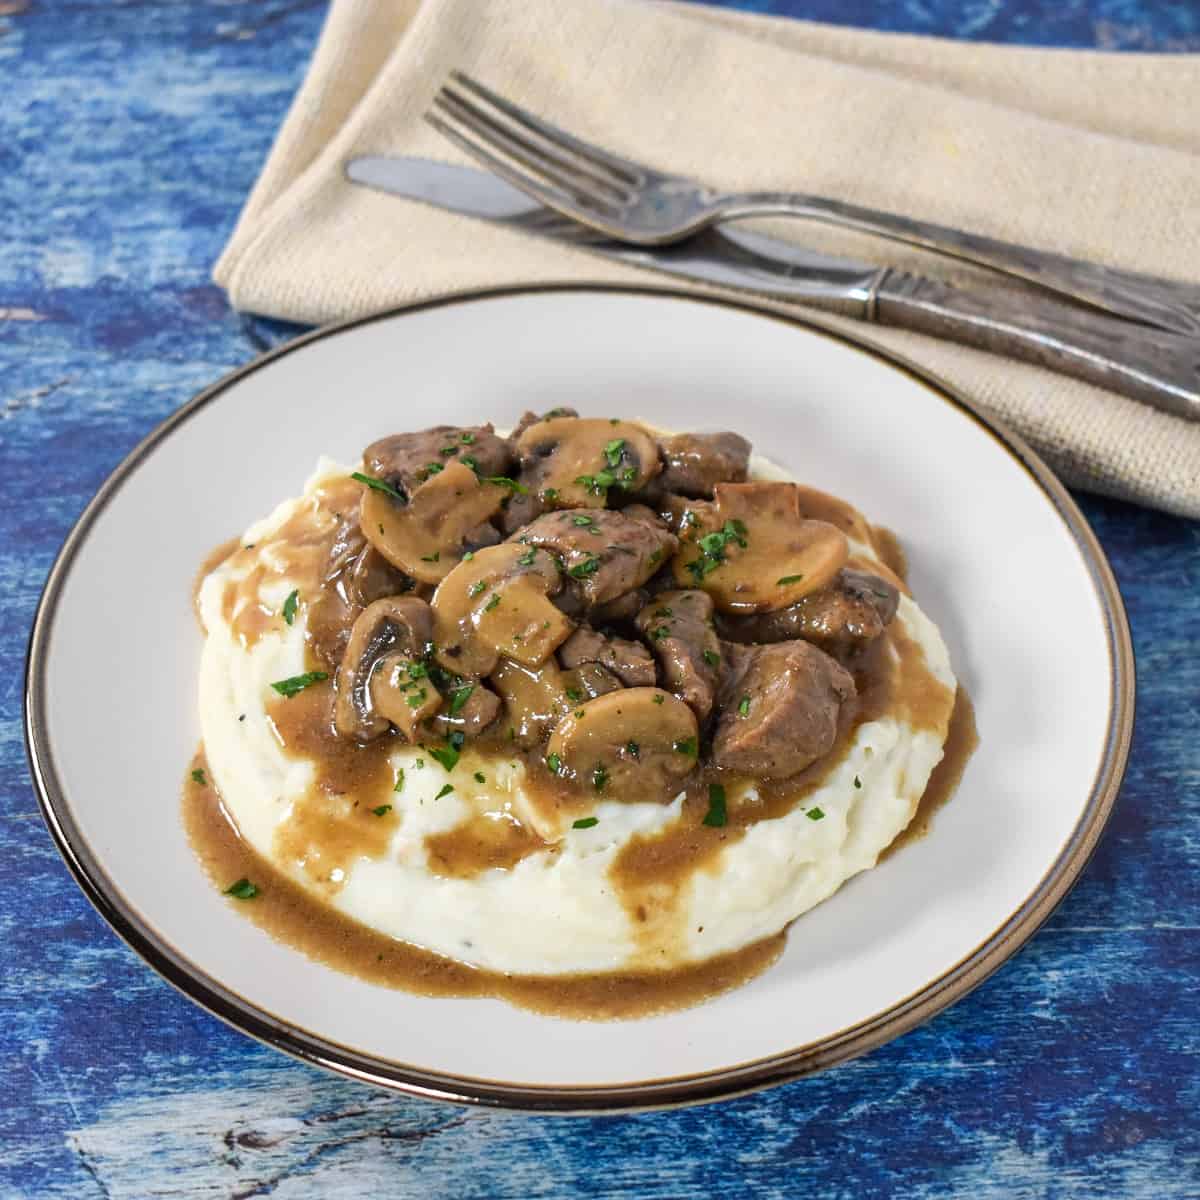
(1156, 367)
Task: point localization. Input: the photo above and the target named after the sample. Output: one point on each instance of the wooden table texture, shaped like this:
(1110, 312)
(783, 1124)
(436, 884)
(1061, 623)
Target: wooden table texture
(130, 132)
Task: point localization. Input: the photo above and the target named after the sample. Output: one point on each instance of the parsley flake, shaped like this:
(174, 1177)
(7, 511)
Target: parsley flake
(716, 815)
(459, 698)
(599, 777)
(480, 777)
(199, 777)
(685, 746)
(786, 579)
(382, 810)
(289, 607)
(431, 557)
(505, 482)
(612, 452)
(712, 658)
(380, 485)
(815, 814)
(446, 790)
(582, 570)
(477, 588)
(554, 763)
(744, 707)
(243, 889)
(297, 683)
(399, 780)
(492, 603)
(527, 559)
(585, 823)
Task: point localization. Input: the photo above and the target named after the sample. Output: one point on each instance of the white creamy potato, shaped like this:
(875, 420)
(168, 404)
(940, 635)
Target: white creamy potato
(554, 911)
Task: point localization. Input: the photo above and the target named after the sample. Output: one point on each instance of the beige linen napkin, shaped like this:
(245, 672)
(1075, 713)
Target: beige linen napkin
(1094, 155)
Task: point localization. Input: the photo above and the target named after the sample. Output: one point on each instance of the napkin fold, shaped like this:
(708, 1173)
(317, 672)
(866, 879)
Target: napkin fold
(1089, 154)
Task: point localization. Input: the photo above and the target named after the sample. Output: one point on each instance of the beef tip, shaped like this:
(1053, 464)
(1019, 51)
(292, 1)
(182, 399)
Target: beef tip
(604, 553)
(520, 509)
(531, 418)
(484, 534)
(679, 627)
(589, 680)
(778, 708)
(623, 608)
(841, 618)
(406, 460)
(693, 463)
(630, 662)
(482, 707)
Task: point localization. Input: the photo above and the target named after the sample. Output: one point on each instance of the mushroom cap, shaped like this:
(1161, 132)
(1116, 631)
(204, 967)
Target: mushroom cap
(424, 538)
(571, 462)
(752, 551)
(381, 679)
(496, 603)
(632, 744)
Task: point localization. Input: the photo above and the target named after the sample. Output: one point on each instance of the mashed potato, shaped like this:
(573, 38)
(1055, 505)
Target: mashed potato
(553, 911)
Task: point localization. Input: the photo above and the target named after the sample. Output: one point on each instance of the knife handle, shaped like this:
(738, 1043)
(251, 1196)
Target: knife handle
(1158, 368)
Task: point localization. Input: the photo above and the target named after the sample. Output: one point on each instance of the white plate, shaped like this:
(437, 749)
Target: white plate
(1001, 560)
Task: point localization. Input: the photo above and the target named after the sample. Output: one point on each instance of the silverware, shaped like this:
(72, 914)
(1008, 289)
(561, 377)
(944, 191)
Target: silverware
(1161, 369)
(631, 202)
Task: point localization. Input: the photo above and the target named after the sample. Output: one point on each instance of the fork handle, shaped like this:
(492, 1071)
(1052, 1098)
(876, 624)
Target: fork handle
(1161, 369)
(1162, 303)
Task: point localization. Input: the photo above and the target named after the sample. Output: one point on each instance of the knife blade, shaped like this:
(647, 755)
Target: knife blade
(1158, 368)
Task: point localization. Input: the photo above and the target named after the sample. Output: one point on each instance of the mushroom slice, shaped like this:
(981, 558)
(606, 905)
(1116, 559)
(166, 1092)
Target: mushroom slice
(572, 462)
(535, 699)
(425, 537)
(496, 602)
(635, 744)
(751, 550)
(382, 679)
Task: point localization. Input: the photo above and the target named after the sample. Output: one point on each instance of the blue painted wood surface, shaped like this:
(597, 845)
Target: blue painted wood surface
(129, 134)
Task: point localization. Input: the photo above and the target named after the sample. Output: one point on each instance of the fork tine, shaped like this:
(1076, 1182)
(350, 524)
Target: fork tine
(626, 170)
(501, 136)
(539, 189)
(582, 193)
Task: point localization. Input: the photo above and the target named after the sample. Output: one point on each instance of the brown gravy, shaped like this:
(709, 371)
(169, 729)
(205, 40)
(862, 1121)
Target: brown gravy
(351, 810)
(289, 913)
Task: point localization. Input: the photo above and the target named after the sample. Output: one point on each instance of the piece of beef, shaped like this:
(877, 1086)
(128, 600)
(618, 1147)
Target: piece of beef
(693, 463)
(630, 662)
(406, 460)
(679, 627)
(841, 618)
(778, 708)
(604, 553)
(623, 608)
(482, 707)
(531, 418)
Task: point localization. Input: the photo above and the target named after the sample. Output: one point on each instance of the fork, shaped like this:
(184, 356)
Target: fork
(634, 203)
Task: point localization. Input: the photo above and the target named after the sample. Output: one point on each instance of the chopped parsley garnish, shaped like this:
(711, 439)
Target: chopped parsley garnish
(574, 695)
(633, 749)
(417, 698)
(597, 484)
(242, 890)
(556, 412)
(477, 588)
(657, 698)
(466, 438)
(712, 548)
(380, 485)
(446, 790)
(712, 658)
(599, 777)
(420, 763)
(685, 746)
(550, 494)
(815, 814)
(417, 670)
(505, 482)
(612, 452)
(716, 815)
(492, 603)
(459, 698)
(289, 607)
(582, 522)
(582, 570)
(382, 810)
(431, 557)
(469, 460)
(580, 714)
(744, 707)
(788, 579)
(470, 554)
(297, 683)
(663, 612)
(554, 763)
(857, 782)
(655, 557)
(657, 635)
(585, 823)
(430, 468)
(527, 559)
(399, 780)
(448, 450)
(199, 777)
(480, 777)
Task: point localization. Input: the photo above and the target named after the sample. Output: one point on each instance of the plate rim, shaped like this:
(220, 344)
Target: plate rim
(677, 1091)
